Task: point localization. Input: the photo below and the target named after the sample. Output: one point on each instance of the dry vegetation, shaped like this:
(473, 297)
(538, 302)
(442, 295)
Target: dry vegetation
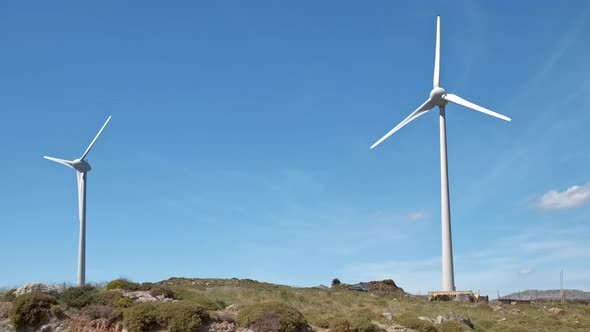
(200, 301)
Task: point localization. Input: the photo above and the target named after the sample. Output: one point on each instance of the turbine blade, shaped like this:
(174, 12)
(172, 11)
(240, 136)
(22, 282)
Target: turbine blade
(68, 163)
(427, 106)
(460, 101)
(95, 137)
(436, 79)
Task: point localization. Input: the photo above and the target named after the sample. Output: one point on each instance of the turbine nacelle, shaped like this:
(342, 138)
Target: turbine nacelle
(81, 165)
(437, 96)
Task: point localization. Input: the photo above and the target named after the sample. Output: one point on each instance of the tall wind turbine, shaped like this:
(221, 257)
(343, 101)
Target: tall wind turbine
(440, 97)
(82, 167)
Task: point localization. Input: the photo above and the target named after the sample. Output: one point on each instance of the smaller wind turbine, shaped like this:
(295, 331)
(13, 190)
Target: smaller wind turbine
(82, 167)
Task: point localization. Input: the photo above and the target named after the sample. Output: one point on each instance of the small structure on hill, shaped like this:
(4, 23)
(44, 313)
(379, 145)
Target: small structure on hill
(462, 296)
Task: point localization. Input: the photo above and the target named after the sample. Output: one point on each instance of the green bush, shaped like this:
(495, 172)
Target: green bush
(78, 297)
(30, 309)
(141, 317)
(416, 324)
(8, 296)
(123, 302)
(453, 326)
(181, 316)
(265, 314)
(175, 316)
(123, 284)
(108, 297)
(58, 311)
(164, 291)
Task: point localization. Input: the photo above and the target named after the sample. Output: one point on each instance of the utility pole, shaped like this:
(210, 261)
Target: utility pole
(562, 293)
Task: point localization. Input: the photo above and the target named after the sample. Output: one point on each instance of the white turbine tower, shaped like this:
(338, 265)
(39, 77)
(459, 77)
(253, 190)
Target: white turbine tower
(82, 168)
(440, 97)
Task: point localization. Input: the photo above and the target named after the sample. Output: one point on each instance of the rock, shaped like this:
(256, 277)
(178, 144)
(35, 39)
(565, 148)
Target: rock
(461, 319)
(464, 298)
(497, 308)
(45, 328)
(388, 315)
(502, 319)
(555, 310)
(221, 327)
(144, 296)
(230, 313)
(427, 319)
(232, 307)
(39, 287)
(5, 309)
(440, 319)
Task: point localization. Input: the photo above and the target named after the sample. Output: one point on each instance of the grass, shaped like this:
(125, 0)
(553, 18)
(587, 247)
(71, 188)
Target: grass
(339, 309)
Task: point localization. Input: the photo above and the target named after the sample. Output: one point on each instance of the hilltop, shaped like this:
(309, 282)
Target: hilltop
(245, 305)
(549, 295)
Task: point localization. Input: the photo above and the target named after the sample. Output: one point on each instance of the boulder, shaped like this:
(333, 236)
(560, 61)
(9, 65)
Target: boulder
(461, 319)
(427, 319)
(145, 296)
(39, 287)
(388, 315)
(221, 327)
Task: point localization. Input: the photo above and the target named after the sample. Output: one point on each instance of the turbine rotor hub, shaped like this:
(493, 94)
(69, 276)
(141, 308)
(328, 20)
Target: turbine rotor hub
(436, 96)
(81, 165)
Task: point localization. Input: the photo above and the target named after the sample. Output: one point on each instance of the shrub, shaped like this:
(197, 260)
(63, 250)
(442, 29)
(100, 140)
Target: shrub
(190, 295)
(141, 317)
(453, 326)
(108, 297)
(78, 297)
(123, 302)
(8, 296)
(335, 282)
(175, 316)
(58, 311)
(163, 291)
(264, 315)
(97, 311)
(116, 315)
(123, 284)
(30, 309)
(341, 325)
(416, 324)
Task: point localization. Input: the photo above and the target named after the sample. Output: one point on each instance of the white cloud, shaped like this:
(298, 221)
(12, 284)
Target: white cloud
(418, 215)
(570, 198)
(525, 272)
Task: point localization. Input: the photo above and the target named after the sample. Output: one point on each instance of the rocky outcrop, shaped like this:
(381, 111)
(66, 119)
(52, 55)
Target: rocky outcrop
(97, 325)
(452, 316)
(143, 296)
(39, 287)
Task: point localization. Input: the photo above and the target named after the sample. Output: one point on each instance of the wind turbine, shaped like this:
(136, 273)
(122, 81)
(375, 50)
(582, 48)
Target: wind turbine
(440, 97)
(82, 167)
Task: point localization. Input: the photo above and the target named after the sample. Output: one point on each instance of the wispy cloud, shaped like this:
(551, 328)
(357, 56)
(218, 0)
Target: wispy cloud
(418, 215)
(525, 271)
(572, 197)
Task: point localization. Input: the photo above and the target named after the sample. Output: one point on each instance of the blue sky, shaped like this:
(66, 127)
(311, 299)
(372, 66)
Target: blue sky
(239, 143)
